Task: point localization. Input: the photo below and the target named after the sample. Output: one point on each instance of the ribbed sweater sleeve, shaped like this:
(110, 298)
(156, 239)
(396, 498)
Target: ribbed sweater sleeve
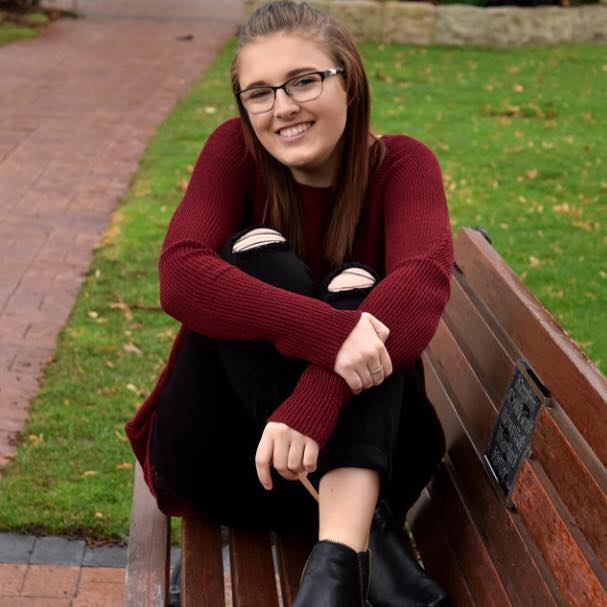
(409, 300)
(215, 298)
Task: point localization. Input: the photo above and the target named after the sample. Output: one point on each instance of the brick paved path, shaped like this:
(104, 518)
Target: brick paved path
(60, 586)
(77, 106)
(48, 571)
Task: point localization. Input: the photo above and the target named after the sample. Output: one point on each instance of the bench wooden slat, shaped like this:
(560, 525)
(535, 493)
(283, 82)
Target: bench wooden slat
(581, 486)
(437, 554)
(293, 550)
(491, 358)
(574, 382)
(201, 564)
(573, 565)
(476, 404)
(253, 578)
(147, 573)
(525, 575)
(464, 537)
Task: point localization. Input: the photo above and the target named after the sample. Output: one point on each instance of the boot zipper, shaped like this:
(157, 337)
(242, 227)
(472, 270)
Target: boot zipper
(358, 565)
(305, 567)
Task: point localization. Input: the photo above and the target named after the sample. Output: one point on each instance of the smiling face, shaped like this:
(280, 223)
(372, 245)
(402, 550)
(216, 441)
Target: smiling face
(304, 136)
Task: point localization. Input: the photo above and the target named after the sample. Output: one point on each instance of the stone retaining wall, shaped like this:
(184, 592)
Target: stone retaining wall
(461, 25)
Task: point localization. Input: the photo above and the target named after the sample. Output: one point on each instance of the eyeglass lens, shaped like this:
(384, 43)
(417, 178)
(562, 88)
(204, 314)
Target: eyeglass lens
(302, 88)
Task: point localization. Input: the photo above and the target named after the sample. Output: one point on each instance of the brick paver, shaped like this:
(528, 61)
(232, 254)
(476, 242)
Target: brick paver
(77, 107)
(60, 586)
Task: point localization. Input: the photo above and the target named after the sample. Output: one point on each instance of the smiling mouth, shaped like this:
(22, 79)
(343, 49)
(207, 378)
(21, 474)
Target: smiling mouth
(294, 131)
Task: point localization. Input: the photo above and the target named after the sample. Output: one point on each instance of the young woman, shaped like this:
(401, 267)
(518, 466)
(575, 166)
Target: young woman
(309, 264)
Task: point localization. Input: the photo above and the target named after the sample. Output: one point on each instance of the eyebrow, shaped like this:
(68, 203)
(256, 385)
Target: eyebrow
(299, 70)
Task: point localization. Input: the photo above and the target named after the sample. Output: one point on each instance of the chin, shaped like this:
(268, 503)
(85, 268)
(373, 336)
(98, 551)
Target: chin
(300, 161)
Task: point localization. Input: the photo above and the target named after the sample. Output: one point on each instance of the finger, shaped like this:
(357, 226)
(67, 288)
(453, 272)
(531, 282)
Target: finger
(380, 328)
(365, 375)
(295, 458)
(281, 457)
(263, 460)
(310, 455)
(386, 362)
(355, 382)
(378, 377)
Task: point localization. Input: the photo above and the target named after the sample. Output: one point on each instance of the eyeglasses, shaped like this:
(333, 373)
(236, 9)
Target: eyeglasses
(302, 88)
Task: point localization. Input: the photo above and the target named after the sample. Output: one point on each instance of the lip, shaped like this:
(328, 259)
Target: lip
(298, 136)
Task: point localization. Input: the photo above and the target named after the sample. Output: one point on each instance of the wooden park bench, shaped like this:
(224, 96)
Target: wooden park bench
(517, 512)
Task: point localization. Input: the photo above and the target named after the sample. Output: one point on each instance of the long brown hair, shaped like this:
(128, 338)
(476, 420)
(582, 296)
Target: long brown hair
(353, 172)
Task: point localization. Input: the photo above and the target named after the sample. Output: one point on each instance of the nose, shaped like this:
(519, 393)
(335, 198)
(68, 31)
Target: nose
(284, 105)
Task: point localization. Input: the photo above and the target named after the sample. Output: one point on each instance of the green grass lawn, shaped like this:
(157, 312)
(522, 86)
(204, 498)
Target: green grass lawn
(520, 136)
(10, 33)
(21, 25)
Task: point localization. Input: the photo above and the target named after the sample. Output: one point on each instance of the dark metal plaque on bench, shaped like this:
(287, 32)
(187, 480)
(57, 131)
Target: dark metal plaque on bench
(511, 435)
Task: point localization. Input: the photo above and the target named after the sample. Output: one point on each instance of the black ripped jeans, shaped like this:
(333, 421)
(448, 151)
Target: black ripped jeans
(213, 410)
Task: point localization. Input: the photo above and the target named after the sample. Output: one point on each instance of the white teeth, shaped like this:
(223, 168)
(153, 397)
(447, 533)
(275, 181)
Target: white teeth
(296, 130)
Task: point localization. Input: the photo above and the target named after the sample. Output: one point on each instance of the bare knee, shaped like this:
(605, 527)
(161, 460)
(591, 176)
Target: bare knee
(351, 278)
(255, 238)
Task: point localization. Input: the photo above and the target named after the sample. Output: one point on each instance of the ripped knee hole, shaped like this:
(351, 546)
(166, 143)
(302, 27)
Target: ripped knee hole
(257, 238)
(352, 278)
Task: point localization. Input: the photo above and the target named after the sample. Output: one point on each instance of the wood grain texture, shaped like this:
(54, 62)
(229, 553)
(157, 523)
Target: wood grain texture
(472, 359)
(559, 363)
(253, 577)
(581, 482)
(459, 376)
(201, 564)
(525, 575)
(438, 557)
(147, 573)
(578, 574)
(480, 336)
(465, 539)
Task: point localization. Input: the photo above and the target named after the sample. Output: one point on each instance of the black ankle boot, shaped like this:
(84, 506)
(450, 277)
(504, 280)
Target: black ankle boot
(396, 578)
(333, 576)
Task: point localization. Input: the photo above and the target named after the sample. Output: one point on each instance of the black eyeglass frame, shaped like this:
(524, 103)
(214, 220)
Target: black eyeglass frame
(324, 74)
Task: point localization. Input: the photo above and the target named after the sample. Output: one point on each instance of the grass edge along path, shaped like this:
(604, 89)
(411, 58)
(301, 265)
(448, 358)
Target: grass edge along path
(73, 471)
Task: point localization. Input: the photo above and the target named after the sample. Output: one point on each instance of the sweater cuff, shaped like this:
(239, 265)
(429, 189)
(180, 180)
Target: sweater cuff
(314, 406)
(317, 339)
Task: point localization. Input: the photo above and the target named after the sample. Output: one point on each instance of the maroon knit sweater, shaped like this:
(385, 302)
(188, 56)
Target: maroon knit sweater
(404, 233)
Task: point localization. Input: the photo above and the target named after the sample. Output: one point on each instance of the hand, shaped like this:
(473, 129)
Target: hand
(291, 453)
(364, 350)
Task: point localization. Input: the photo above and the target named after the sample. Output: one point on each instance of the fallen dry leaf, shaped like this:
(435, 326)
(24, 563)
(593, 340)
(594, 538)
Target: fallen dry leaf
(131, 348)
(36, 439)
(124, 466)
(125, 308)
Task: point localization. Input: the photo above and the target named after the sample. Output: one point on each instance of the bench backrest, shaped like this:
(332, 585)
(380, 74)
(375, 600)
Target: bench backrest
(545, 544)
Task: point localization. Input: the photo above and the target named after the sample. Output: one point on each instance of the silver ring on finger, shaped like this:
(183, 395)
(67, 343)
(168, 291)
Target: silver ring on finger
(379, 369)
